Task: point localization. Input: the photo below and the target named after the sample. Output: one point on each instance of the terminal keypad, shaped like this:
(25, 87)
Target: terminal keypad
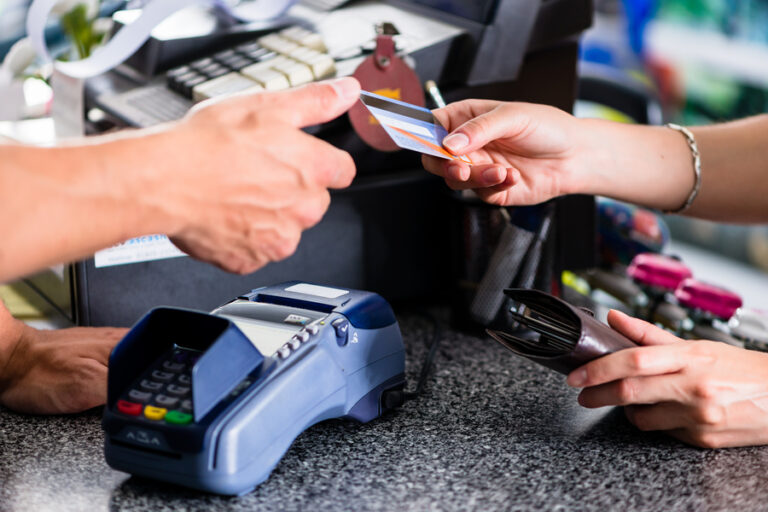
(164, 391)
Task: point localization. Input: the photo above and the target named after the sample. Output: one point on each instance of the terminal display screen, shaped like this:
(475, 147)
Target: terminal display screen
(267, 337)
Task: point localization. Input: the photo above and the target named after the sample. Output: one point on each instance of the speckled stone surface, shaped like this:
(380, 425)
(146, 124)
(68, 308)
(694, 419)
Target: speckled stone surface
(490, 432)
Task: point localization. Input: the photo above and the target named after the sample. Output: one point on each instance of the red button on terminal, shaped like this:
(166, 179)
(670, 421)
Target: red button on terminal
(129, 408)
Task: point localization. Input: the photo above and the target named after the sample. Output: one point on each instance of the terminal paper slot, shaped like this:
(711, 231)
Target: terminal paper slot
(228, 356)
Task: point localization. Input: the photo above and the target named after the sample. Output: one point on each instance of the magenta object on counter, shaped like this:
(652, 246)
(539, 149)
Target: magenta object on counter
(658, 270)
(708, 298)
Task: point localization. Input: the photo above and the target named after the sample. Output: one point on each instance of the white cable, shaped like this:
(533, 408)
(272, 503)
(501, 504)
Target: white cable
(131, 37)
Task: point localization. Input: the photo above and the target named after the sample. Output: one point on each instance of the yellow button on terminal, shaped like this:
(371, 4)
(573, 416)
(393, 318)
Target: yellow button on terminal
(154, 413)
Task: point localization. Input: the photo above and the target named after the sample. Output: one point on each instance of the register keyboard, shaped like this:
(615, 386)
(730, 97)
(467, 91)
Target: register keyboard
(289, 58)
(292, 57)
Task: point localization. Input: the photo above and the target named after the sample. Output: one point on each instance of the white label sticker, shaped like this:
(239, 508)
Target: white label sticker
(317, 291)
(136, 250)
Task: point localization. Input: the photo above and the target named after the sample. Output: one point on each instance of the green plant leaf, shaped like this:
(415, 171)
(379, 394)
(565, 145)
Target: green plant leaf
(79, 30)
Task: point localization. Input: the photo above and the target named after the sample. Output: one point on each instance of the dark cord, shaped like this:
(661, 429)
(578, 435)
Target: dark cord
(429, 359)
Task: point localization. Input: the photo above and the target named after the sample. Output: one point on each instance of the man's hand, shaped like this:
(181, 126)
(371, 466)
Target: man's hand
(53, 372)
(704, 393)
(522, 153)
(242, 180)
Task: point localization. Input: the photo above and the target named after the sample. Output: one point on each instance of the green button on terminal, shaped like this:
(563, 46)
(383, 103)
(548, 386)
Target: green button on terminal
(178, 418)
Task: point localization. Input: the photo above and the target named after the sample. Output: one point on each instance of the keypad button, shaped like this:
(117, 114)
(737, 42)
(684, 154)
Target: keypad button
(186, 405)
(303, 336)
(269, 79)
(249, 47)
(224, 55)
(295, 343)
(296, 72)
(228, 84)
(149, 385)
(259, 54)
(178, 418)
(313, 330)
(185, 380)
(128, 408)
(199, 64)
(238, 64)
(341, 327)
(214, 70)
(166, 401)
(177, 390)
(284, 352)
(186, 87)
(173, 367)
(178, 71)
(304, 37)
(139, 396)
(161, 376)
(154, 413)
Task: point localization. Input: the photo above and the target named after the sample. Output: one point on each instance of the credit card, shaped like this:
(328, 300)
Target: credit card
(410, 127)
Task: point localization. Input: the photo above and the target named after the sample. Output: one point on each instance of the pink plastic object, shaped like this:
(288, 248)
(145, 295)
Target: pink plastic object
(708, 298)
(657, 270)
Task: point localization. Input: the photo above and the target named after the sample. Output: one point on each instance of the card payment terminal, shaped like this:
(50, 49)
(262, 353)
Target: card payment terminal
(213, 401)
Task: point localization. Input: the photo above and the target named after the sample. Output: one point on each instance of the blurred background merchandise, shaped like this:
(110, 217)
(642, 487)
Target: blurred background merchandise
(699, 62)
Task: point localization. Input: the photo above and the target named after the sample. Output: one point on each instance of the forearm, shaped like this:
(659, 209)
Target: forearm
(653, 166)
(61, 204)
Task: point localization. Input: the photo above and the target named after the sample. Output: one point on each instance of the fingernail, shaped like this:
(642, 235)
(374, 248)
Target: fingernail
(455, 172)
(346, 88)
(492, 176)
(577, 378)
(456, 141)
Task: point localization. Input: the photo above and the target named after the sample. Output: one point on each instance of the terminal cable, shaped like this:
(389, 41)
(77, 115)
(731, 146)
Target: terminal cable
(429, 359)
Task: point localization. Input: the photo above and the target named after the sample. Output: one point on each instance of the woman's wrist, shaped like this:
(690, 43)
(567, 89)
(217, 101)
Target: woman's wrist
(647, 165)
(585, 168)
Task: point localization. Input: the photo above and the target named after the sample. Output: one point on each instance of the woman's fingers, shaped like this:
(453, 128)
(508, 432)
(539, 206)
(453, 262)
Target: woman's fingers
(662, 416)
(497, 123)
(634, 390)
(630, 362)
(461, 176)
(639, 331)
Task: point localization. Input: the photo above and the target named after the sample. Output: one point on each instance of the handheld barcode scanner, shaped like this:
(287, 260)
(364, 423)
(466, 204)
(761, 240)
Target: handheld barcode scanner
(213, 401)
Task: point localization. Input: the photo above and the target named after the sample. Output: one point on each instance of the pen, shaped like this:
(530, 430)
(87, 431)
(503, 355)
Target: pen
(433, 91)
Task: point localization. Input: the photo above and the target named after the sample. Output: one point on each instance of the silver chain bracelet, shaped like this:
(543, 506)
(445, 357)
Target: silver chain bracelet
(691, 140)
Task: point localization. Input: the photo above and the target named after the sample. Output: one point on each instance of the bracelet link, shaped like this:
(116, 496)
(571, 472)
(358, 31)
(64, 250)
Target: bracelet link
(691, 140)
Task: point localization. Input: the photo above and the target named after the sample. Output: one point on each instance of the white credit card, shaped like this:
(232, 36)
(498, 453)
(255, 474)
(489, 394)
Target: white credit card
(410, 127)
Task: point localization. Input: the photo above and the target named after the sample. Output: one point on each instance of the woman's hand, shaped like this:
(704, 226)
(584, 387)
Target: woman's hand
(704, 393)
(522, 153)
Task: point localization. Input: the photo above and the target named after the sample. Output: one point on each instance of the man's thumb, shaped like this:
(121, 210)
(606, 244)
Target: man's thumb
(318, 102)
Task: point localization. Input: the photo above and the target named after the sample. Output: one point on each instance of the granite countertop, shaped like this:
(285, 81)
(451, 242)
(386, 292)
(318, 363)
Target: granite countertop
(490, 432)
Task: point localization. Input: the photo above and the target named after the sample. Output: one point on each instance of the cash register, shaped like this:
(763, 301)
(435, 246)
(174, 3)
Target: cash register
(397, 230)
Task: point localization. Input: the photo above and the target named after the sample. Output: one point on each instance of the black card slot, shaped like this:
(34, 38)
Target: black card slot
(567, 336)
(553, 318)
(526, 347)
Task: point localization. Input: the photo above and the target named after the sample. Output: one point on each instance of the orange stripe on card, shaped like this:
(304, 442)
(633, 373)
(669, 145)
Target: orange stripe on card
(431, 145)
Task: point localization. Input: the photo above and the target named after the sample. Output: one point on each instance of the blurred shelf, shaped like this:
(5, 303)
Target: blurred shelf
(742, 60)
(749, 282)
